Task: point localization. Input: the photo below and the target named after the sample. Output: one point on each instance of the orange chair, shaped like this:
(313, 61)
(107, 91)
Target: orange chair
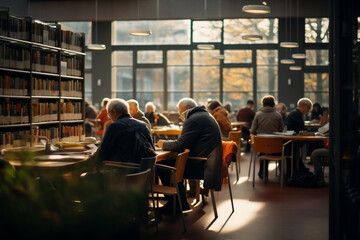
(269, 145)
(235, 136)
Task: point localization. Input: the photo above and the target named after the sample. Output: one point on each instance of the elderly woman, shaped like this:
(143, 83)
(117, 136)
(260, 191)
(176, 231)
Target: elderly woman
(221, 116)
(127, 139)
(155, 118)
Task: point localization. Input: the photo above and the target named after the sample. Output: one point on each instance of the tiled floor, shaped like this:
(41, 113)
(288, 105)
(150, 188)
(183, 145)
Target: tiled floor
(264, 212)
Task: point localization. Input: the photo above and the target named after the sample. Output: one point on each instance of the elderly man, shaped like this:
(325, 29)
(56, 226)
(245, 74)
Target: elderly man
(200, 134)
(135, 112)
(127, 139)
(155, 118)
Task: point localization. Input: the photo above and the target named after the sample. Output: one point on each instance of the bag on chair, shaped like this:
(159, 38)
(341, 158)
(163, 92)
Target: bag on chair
(304, 179)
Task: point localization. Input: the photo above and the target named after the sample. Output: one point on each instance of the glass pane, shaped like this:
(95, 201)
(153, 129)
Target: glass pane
(164, 32)
(149, 57)
(267, 57)
(206, 78)
(178, 78)
(207, 31)
(206, 57)
(124, 95)
(322, 98)
(84, 27)
(316, 82)
(238, 100)
(181, 57)
(88, 86)
(317, 30)
(267, 78)
(238, 56)
(238, 79)
(122, 58)
(150, 79)
(123, 78)
(156, 97)
(88, 60)
(203, 97)
(174, 98)
(260, 95)
(234, 29)
(317, 57)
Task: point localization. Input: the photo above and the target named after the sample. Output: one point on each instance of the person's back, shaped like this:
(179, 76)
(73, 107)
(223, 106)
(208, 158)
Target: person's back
(90, 111)
(245, 114)
(267, 120)
(221, 116)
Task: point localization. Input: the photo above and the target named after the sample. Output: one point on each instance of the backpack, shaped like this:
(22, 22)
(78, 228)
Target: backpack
(304, 179)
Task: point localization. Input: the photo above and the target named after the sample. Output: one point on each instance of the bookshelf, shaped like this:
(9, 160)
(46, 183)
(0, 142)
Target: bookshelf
(41, 81)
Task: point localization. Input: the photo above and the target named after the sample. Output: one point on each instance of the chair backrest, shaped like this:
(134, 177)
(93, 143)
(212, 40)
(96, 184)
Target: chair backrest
(147, 163)
(180, 164)
(268, 145)
(139, 179)
(235, 136)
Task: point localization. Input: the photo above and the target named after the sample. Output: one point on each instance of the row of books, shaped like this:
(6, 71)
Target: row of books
(11, 85)
(72, 133)
(71, 110)
(20, 27)
(72, 41)
(45, 87)
(44, 112)
(14, 57)
(71, 88)
(72, 65)
(7, 138)
(44, 61)
(52, 133)
(14, 112)
(45, 33)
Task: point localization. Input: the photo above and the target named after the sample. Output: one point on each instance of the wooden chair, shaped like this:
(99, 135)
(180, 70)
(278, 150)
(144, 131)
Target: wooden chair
(267, 146)
(145, 164)
(235, 136)
(177, 173)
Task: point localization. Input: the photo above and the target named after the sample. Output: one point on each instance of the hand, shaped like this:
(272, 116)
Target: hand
(160, 143)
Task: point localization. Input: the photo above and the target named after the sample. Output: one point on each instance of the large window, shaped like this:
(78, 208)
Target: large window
(164, 32)
(317, 30)
(207, 31)
(317, 87)
(122, 74)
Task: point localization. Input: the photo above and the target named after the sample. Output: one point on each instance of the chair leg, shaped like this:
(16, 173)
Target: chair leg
(254, 172)
(251, 160)
(174, 205)
(155, 211)
(237, 171)
(213, 203)
(264, 177)
(180, 205)
(231, 197)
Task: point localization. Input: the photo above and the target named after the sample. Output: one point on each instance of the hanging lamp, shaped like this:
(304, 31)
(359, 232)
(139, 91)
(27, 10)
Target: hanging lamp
(139, 32)
(252, 37)
(96, 45)
(256, 9)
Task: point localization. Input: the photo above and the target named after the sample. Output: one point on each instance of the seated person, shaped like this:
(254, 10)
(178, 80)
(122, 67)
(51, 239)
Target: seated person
(90, 115)
(102, 118)
(246, 114)
(316, 113)
(155, 118)
(127, 139)
(220, 114)
(136, 113)
(281, 108)
(231, 116)
(201, 135)
(267, 120)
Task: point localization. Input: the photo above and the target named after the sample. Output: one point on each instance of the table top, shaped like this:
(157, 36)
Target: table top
(164, 155)
(239, 124)
(167, 131)
(296, 137)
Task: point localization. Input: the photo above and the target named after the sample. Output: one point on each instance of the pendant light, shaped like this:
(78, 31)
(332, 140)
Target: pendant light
(298, 55)
(295, 68)
(286, 60)
(256, 9)
(289, 44)
(139, 32)
(206, 46)
(252, 37)
(96, 45)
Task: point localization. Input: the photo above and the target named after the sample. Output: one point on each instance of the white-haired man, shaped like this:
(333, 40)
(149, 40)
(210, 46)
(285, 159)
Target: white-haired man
(155, 118)
(127, 139)
(201, 135)
(136, 113)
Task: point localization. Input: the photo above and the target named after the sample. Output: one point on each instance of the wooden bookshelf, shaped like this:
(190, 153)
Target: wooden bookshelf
(41, 80)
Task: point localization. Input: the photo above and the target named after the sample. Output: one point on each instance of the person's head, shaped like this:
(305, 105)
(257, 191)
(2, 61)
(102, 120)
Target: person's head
(268, 101)
(281, 108)
(228, 106)
(104, 102)
(316, 107)
(133, 107)
(304, 105)
(250, 104)
(185, 104)
(213, 104)
(150, 107)
(116, 108)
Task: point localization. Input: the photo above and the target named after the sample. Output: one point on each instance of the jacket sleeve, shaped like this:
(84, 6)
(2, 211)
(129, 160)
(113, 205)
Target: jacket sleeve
(187, 138)
(107, 144)
(254, 125)
(225, 123)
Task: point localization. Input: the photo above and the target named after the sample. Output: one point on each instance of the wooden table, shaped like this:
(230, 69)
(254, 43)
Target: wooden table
(167, 131)
(165, 155)
(312, 125)
(239, 124)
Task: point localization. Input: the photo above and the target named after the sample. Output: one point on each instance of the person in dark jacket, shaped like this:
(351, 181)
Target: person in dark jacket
(202, 136)
(246, 114)
(316, 113)
(155, 118)
(136, 113)
(90, 115)
(127, 139)
(281, 108)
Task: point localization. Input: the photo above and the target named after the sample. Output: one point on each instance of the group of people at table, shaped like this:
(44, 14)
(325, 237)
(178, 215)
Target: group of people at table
(128, 137)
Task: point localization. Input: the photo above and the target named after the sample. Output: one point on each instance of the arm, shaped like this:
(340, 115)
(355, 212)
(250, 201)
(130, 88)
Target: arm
(225, 123)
